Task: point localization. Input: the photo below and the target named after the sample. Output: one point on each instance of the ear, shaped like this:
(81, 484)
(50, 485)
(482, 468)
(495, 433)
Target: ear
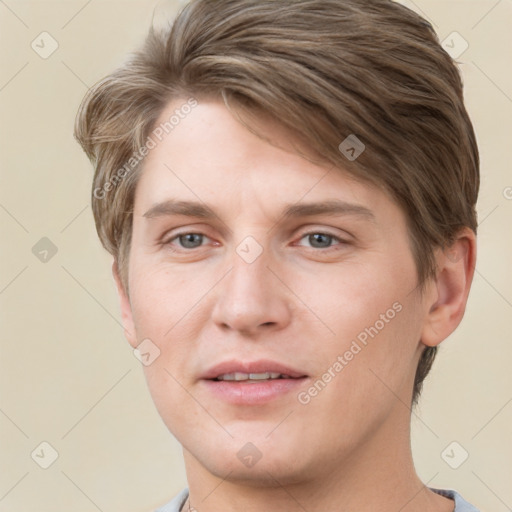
(450, 290)
(126, 309)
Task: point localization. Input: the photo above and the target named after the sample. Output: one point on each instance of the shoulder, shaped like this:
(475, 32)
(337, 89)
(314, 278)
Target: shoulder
(461, 505)
(176, 503)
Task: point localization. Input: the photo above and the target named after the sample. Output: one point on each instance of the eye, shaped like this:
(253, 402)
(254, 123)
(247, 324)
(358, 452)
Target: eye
(321, 240)
(316, 239)
(188, 240)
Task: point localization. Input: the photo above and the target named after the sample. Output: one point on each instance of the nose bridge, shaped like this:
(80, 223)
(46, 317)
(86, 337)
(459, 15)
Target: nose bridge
(251, 297)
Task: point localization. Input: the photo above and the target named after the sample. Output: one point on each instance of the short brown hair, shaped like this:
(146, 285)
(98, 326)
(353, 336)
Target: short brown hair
(326, 69)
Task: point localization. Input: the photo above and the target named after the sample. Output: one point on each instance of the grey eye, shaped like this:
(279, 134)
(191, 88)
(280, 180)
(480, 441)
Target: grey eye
(191, 240)
(320, 240)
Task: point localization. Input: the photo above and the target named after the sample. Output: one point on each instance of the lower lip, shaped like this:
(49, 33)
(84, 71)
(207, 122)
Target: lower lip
(252, 393)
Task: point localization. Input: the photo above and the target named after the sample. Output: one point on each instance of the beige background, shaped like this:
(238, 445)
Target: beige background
(68, 377)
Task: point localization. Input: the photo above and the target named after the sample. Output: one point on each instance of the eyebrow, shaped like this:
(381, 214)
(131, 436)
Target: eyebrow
(196, 209)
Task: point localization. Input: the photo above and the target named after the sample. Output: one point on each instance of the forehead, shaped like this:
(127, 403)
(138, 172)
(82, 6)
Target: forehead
(208, 155)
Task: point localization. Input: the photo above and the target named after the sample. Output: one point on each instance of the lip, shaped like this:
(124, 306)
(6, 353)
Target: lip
(252, 393)
(259, 366)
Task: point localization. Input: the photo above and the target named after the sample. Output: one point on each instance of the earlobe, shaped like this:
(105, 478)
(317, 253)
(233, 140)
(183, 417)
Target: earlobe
(450, 289)
(126, 309)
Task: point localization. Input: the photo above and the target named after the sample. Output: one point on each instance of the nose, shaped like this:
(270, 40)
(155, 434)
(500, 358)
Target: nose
(251, 299)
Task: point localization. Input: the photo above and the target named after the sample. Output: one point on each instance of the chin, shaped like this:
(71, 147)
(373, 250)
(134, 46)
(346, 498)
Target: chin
(266, 472)
(253, 460)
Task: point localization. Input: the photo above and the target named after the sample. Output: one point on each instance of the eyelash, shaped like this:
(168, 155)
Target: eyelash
(303, 235)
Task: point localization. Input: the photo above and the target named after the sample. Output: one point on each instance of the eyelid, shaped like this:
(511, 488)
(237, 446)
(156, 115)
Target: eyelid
(189, 229)
(166, 240)
(342, 237)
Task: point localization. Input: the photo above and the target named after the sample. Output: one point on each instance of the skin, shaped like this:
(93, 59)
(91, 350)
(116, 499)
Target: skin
(301, 302)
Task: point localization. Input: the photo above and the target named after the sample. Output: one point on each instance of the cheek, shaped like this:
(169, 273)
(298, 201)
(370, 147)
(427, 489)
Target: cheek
(353, 296)
(376, 325)
(166, 311)
(164, 300)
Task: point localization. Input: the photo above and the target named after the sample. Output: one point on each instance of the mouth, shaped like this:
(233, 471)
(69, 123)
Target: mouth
(252, 377)
(262, 369)
(252, 383)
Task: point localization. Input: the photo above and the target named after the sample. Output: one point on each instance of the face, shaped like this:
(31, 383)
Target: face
(248, 256)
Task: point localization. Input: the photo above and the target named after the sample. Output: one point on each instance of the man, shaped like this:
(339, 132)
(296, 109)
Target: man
(288, 190)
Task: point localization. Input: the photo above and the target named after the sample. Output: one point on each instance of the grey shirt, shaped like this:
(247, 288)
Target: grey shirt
(461, 505)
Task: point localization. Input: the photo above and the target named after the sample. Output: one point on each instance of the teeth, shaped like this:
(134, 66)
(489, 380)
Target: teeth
(251, 376)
